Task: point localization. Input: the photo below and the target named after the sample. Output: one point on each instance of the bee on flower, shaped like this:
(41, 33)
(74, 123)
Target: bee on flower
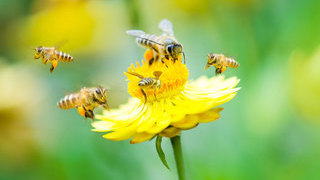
(146, 83)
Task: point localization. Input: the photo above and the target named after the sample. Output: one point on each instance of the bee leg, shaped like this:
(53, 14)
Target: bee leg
(156, 58)
(53, 65)
(151, 61)
(89, 114)
(223, 68)
(145, 95)
(155, 94)
(81, 110)
(44, 60)
(165, 62)
(51, 69)
(218, 70)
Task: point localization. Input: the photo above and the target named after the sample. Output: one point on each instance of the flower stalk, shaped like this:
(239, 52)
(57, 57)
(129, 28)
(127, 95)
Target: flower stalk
(176, 146)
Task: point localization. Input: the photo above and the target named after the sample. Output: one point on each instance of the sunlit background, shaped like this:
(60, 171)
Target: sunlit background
(270, 130)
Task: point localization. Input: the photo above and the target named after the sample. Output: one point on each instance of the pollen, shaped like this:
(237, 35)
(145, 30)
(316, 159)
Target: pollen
(173, 78)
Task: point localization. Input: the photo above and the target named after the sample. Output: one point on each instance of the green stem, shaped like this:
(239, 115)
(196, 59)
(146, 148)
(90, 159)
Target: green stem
(176, 145)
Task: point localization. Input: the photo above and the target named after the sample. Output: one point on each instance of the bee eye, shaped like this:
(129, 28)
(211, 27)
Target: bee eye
(98, 91)
(170, 49)
(39, 49)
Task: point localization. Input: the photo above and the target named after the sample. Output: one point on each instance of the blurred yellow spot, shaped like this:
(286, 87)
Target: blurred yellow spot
(68, 21)
(305, 83)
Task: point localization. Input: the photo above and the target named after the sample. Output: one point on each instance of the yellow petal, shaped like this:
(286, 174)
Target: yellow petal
(141, 137)
(170, 132)
(190, 121)
(209, 116)
(150, 117)
(102, 126)
(121, 134)
(159, 126)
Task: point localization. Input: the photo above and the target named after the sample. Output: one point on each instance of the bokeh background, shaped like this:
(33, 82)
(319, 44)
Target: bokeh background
(270, 130)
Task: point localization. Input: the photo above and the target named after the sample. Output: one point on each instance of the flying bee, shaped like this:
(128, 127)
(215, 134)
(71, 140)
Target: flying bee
(163, 46)
(221, 62)
(148, 83)
(51, 54)
(85, 101)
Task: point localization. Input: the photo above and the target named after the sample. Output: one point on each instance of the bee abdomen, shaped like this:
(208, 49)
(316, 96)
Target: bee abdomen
(62, 56)
(146, 40)
(146, 82)
(232, 63)
(68, 102)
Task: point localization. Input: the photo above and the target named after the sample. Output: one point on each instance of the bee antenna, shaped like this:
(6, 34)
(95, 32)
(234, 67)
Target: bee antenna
(135, 74)
(184, 57)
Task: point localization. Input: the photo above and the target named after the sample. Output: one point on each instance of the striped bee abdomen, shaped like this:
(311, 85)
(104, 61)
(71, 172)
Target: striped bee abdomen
(146, 40)
(62, 56)
(232, 63)
(69, 101)
(145, 82)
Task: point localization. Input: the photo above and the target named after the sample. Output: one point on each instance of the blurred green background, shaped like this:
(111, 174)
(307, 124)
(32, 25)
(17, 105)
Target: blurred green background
(270, 130)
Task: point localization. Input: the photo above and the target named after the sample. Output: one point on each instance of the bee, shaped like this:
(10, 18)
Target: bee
(221, 62)
(148, 83)
(85, 101)
(51, 54)
(163, 46)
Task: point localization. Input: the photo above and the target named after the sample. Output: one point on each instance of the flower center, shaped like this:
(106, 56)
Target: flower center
(173, 79)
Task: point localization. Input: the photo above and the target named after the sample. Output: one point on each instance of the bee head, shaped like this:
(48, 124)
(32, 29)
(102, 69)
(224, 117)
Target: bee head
(212, 59)
(174, 50)
(100, 94)
(38, 52)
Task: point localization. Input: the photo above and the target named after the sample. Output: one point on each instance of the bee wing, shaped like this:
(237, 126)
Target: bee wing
(48, 56)
(139, 33)
(166, 26)
(136, 33)
(66, 93)
(60, 43)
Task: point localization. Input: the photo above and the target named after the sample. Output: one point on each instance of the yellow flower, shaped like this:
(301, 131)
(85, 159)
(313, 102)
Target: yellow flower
(177, 105)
